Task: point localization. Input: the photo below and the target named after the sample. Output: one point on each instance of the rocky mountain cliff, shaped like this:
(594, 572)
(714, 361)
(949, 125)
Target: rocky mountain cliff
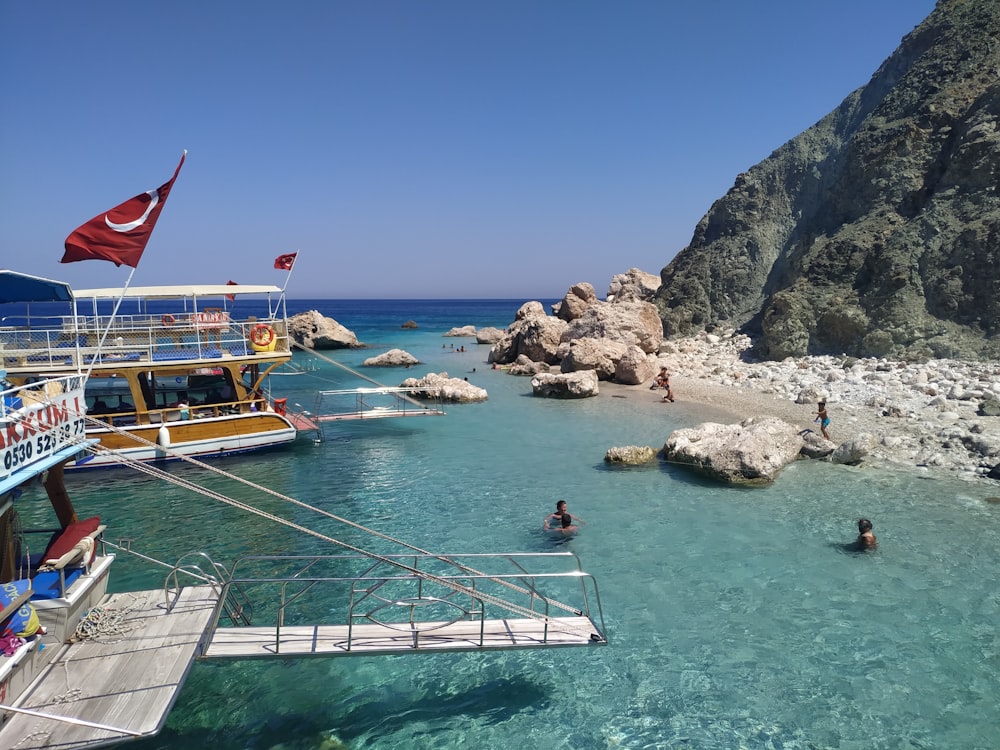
(877, 231)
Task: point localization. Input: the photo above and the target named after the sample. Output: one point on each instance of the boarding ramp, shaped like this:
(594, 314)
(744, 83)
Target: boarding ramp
(378, 402)
(404, 604)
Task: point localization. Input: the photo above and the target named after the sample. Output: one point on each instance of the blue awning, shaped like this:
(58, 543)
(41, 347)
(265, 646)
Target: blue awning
(20, 287)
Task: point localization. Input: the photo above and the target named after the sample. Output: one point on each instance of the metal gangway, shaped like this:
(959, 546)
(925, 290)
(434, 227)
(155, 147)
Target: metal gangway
(404, 604)
(379, 402)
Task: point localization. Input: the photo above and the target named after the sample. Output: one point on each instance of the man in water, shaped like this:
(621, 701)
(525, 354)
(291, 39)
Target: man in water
(561, 520)
(866, 539)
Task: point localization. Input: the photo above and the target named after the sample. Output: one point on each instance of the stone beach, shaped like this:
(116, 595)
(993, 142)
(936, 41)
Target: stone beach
(925, 416)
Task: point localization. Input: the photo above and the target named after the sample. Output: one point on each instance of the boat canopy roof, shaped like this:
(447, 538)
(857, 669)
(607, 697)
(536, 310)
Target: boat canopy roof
(176, 292)
(21, 287)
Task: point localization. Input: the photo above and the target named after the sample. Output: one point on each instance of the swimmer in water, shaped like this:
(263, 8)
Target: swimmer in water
(561, 520)
(866, 539)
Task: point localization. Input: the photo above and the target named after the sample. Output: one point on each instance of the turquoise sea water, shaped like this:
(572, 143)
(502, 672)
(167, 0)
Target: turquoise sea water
(736, 617)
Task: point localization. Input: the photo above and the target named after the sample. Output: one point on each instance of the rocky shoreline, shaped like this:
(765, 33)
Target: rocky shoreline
(938, 416)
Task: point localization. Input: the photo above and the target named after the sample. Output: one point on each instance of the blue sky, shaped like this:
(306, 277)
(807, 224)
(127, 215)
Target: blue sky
(440, 148)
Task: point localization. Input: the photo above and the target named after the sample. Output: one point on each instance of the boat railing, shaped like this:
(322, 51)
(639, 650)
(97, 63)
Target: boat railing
(374, 403)
(415, 593)
(76, 342)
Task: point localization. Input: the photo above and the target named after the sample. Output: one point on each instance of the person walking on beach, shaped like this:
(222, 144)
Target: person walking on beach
(663, 381)
(561, 520)
(823, 418)
(866, 539)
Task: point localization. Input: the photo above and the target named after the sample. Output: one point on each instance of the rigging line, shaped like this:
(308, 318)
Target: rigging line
(447, 583)
(342, 366)
(319, 511)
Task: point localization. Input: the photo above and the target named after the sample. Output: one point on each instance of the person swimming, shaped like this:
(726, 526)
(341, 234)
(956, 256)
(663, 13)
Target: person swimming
(866, 539)
(562, 516)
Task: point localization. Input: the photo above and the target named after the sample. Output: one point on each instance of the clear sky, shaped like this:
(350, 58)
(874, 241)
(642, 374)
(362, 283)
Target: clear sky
(418, 148)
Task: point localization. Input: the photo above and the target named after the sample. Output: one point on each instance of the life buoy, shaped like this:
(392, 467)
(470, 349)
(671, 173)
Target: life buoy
(168, 320)
(261, 335)
(281, 406)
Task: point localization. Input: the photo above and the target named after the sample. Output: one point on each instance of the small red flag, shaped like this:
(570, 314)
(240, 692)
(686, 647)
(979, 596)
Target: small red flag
(231, 297)
(285, 262)
(121, 234)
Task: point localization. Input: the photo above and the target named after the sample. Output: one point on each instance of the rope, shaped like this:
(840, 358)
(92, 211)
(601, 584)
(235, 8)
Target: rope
(456, 587)
(179, 481)
(143, 467)
(103, 620)
(357, 374)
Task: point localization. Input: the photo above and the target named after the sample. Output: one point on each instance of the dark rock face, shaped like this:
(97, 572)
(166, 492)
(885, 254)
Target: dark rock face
(877, 231)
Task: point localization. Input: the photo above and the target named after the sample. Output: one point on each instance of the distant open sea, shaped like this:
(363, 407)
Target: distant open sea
(736, 617)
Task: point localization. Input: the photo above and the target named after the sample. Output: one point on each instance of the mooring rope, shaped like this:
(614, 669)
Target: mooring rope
(445, 582)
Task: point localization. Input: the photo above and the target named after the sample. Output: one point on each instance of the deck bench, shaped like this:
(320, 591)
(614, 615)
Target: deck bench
(68, 556)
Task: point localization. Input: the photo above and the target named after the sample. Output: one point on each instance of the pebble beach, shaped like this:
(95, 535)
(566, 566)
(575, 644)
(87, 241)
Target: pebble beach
(925, 416)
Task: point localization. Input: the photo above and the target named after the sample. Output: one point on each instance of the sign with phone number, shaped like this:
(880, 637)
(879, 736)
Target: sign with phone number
(39, 434)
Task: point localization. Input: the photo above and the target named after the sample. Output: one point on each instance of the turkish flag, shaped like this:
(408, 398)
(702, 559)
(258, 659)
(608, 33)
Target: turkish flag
(121, 234)
(285, 262)
(231, 297)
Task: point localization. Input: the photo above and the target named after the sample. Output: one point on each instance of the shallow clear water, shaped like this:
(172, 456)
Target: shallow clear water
(737, 618)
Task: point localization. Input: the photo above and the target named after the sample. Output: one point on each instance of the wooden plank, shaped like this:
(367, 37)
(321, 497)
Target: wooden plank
(371, 639)
(128, 681)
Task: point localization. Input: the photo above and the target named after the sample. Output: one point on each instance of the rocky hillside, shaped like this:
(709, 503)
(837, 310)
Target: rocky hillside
(877, 231)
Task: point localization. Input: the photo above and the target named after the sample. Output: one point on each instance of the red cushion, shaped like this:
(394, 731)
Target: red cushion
(69, 536)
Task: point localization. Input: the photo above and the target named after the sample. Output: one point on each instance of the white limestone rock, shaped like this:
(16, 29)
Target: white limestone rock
(392, 358)
(462, 331)
(582, 384)
(749, 453)
(439, 385)
(315, 331)
(630, 455)
(599, 355)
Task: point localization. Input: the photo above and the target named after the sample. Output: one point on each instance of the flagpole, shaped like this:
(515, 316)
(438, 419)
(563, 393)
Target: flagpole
(284, 305)
(287, 279)
(111, 321)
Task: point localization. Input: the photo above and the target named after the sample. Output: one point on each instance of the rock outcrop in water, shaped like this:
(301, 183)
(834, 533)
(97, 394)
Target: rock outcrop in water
(314, 330)
(877, 231)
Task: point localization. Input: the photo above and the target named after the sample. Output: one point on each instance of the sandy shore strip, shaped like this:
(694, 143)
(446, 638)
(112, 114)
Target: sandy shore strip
(932, 417)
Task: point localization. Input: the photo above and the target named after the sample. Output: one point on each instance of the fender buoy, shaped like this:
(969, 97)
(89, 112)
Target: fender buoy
(262, 338)
(168, 320)
(163, 437)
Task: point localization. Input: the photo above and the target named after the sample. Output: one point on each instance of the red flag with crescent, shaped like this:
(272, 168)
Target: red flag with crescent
(120, 235)
(285, 262)
(231, 297)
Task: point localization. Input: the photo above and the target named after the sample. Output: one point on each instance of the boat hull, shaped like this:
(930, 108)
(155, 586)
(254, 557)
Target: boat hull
(214, 437)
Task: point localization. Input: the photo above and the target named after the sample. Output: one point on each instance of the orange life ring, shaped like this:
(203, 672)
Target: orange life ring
(168, 320)
(261, 335)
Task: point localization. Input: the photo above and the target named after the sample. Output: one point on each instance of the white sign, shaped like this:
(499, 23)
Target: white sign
(39, 429)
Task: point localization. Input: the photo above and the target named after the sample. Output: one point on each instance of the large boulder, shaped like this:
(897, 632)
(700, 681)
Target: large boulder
(489, 335)
(630, 455)
(315, 331)
(536, 337)
(392, 358)
(440, 386)
(749, 453)
(633, 284)
(462, 331)
(579, 297)
(635, 367)
(599, 355)
(854, 450)
(629, 322)
(565, 385)
(815, 445)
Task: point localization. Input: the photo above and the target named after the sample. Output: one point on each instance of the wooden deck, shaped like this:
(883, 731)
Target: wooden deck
(372, 639)
(125, 683)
